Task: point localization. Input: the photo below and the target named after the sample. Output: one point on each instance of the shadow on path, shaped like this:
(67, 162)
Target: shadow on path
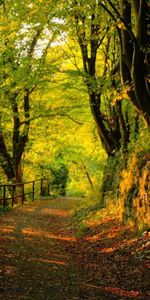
(41, 259)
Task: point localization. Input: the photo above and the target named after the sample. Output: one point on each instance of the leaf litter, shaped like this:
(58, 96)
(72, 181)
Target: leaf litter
(41, 257)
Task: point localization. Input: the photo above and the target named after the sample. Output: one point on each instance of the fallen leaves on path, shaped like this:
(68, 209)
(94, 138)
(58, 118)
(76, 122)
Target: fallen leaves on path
(41, 257)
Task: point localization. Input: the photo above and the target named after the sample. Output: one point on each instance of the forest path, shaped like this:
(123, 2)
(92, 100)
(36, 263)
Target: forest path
(41, 259)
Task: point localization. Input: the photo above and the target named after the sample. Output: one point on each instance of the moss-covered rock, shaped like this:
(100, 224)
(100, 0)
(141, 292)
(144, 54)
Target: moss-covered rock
(134, 189)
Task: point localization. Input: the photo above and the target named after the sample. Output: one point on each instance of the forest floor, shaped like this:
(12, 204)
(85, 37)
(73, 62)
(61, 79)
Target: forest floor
(41, 258)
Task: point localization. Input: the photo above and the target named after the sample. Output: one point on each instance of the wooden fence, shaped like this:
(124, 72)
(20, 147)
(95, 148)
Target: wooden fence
(17, 192)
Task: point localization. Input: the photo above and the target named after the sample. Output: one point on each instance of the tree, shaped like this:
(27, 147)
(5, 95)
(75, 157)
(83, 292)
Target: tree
(97, 44)
(131, 18)
(22, 66)
(96, 40)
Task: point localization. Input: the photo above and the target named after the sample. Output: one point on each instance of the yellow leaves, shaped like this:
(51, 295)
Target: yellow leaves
(3, 23)
(6, 24)
(4, 27)
(120, 95)
(7, 82)
(32, 12)
(120, 24)
(143, 180)
(128, 176)
(126, 184)
(141, 203)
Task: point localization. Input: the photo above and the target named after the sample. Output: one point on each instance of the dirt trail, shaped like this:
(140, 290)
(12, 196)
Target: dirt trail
(41, 259)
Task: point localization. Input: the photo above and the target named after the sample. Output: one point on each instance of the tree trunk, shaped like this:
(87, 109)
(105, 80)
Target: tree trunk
(18, 172)
(103, 133)
(18, 179)
(134, 56)
(6, 159)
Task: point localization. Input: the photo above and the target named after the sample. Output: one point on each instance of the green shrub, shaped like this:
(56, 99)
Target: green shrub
(4, 209)
(82, 230)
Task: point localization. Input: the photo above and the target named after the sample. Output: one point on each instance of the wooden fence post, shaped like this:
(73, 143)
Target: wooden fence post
(13, 195)
(33, 190)
(48, 188)
(22, 193)
(17, 190)
(41, 187)
(4, 196)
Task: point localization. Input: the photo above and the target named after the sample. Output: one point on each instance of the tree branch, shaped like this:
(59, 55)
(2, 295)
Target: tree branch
(118, 16)
(52, 115)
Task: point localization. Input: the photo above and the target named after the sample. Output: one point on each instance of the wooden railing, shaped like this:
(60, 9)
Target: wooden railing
(18, 192)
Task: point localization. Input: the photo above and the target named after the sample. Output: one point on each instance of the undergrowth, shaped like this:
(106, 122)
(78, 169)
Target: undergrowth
(126, 194)
(4, 209)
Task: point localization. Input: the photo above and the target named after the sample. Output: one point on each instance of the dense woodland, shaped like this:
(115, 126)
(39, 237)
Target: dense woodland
(75, 100)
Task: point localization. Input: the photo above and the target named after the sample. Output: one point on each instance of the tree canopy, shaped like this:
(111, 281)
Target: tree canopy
(75, 80)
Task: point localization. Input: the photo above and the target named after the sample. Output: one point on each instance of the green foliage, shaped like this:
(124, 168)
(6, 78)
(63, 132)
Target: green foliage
(55, 56)
(82, 230)
(59, 176)
(4, 209)
(141, 143)
(85, 209)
